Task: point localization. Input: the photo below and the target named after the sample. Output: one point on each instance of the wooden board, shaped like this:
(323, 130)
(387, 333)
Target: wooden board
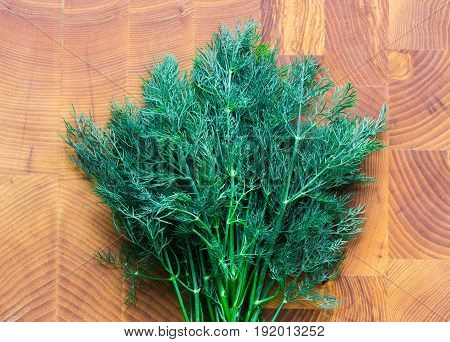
(57, 53)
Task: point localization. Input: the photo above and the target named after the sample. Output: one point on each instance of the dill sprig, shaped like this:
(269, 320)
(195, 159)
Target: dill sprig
(228, 181)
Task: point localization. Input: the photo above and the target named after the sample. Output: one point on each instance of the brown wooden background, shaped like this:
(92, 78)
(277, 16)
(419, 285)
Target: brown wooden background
(57, 52)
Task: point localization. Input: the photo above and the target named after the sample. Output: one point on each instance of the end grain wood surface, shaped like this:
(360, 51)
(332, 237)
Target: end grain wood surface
(55, 53)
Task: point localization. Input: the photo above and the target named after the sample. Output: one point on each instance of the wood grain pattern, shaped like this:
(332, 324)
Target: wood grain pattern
(28, 246)
(418, 290)
(296, 26)
(151, 22)
(30, 71)
(407, 15)
(87, 290)
(355, 41)
(363, 298)
(209, 14)
(57, 53)
(93, 72)
(419, 205)
(419, 94)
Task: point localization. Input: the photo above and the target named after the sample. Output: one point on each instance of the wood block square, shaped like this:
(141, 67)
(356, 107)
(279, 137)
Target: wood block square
(87, 290)
(30, 60)
(419, 24)
(418, 291)
(28, 247)
(419, 205)
(355, 41)
(419, 93)
(298, 27)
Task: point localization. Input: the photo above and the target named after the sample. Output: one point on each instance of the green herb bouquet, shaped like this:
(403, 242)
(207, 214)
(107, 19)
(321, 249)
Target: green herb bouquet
(231, 182)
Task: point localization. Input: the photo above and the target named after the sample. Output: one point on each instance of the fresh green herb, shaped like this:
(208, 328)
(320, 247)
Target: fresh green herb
(229, 182)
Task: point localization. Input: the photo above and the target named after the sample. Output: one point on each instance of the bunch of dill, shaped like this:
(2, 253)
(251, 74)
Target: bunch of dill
(228, 181)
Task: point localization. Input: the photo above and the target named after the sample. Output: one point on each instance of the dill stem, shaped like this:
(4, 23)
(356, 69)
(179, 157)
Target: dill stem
(240, 290)
(251, 304)
(220, 286)
(176, 288)
(230, 231)
(224, 302)
(261, 302)
(266, 299)
(196, 294)
(262, 277)
(206, 278)
(280, 306)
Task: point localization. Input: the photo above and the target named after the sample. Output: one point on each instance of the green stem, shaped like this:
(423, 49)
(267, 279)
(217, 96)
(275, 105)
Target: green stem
(224, 302)
(261, 302)
(196, 293)
(240, 290)
(220, 286)
(260, 285)
(230, 232)
(212, 315)
(258, 309)
(177, 289)
(251, 302)
(280, 306)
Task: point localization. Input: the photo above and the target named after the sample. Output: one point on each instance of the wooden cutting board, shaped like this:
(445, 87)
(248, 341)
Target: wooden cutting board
(57, 53)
